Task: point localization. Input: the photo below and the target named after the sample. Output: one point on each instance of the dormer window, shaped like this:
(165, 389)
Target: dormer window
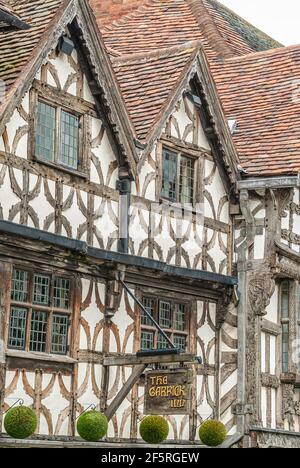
(57, 135)
(59, 130)
(178, 177)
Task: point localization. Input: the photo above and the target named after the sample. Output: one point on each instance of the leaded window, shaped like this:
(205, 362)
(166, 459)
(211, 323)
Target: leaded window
(38, 335)
(147, 340)
(59, 334)
(40, 312)
(178, 177)
(45, 131)
(19, 291)
(298, 328)
(285, 324)
(61, 293)
(57, 135)
(172, 316)
(69, 139)
(41, 289)
(17, 328)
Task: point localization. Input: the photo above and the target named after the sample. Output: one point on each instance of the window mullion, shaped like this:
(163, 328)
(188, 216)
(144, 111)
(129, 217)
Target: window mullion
(49, 332)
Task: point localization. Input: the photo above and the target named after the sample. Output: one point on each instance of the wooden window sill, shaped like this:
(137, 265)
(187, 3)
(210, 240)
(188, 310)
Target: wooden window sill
(179, 207)
(62, 168)
(40, 356)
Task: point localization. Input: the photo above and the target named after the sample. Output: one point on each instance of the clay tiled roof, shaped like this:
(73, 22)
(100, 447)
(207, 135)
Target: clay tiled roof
(9, 17)
(237, 31)
(255, 88)
(4, 6)
(148, 80)
(165, 23)
(17, 47)
(262, 92)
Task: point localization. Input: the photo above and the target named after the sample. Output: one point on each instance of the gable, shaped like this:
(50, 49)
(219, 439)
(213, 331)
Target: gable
(203, 230)
(81, 23)
(45, 194)
(152, 85)
(62, 76)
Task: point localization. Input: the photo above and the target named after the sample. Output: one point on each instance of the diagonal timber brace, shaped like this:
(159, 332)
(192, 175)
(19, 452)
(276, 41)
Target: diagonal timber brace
(136, 374)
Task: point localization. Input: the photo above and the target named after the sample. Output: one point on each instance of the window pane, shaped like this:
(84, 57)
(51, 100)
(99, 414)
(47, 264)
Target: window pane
(179, 317)
(186, 184)
(298, 301)
(17, 328)
(285, 348)
(41, 289)
(180, 342)
(298, 349)
(69, 139)
(162, 342)
(59, 334)
(148, 303)
(285, 299)
(61, 299)
(38, 331)
(147, 340)
(45, 131)
(19, 291)
(164, 314)
(169, 180)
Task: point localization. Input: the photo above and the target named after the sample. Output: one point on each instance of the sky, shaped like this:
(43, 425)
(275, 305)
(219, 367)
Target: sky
(280, 19)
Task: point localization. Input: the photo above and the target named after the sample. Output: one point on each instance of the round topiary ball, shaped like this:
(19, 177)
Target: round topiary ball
(154, 429)
(20, 422)
(92, 426)
(212, 433)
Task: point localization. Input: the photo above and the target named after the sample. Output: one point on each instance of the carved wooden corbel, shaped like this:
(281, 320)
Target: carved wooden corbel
(285, 197)
(223, 305)
(289, 406)
(261, 289)
(114, 291)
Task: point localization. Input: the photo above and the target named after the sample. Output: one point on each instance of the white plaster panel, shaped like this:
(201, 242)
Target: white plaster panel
(272, 308)
(12, 127)
(105, 224)
(124, 323)
(263, 352)
(56, 404)
(259, 246)
(273, 357)
(264, 406)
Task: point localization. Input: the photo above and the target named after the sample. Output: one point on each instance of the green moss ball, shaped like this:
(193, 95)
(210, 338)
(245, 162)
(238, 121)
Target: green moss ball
(20, 422)
(212, 433)
(92, 426)
(154, 429)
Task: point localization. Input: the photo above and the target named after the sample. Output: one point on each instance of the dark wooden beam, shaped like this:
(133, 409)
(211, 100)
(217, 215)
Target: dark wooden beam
(136, 374)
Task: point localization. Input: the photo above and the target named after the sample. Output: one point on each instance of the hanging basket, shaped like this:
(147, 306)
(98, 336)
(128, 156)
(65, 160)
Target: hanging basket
(92, 426)
(212, 433)
(20, 422)
(154, 429)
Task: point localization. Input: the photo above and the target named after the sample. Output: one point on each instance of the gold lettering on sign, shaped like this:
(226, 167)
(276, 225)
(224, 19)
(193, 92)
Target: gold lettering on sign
(168, 392)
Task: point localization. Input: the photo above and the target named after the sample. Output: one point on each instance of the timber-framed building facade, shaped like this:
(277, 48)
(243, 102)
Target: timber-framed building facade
(148, 156)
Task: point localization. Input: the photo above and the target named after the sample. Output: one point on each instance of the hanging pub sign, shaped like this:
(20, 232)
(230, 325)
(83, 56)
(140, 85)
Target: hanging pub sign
(168, 392)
